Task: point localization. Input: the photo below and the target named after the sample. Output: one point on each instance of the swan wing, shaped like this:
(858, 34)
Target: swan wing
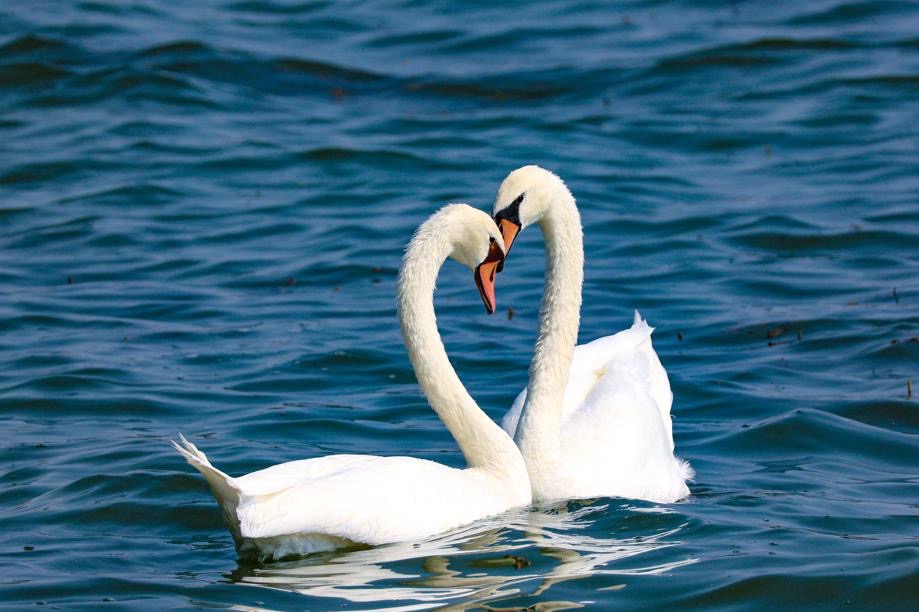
(591, 363)
(630, 357)
(619, 442)
(366, 499)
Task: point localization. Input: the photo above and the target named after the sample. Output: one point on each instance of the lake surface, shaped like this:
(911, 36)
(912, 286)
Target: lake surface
(202, 211)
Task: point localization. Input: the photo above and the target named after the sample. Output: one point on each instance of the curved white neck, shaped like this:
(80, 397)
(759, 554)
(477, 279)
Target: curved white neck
(483, 443)
(538, 433)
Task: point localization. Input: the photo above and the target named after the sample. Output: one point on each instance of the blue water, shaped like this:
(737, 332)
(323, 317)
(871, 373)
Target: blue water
(202, 211)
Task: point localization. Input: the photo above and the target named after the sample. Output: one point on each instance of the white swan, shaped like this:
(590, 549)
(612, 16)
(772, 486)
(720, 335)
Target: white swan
(329, 502)
(595, 419)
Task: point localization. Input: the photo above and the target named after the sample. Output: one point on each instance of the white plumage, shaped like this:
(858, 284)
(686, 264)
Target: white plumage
(595, 419)
(341, 500)
(337, 501)
(616, 429)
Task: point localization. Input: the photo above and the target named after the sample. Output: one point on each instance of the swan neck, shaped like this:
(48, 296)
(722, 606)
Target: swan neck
(482, 442)
(559, 319)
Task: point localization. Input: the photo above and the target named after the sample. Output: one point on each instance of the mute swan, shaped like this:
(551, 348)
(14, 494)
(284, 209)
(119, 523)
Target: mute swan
(594, 420)
(329, 502)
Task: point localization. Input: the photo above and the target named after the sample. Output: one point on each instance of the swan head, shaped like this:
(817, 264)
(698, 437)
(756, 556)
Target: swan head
(475, 241)
(525, 197)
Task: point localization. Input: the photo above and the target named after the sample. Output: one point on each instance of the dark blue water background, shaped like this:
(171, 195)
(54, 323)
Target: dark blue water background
(202, 211)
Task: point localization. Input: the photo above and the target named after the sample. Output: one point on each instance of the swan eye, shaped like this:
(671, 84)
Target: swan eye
(512, 212)
(491, 239)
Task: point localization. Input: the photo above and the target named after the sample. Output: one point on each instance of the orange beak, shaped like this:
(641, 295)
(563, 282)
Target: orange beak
(509, 231)
(485, 276)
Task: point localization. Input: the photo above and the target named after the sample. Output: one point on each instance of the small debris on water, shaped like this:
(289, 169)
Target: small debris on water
(338, 93)
(28, 548)
(679, 335)
(775, 332)
(895, 296)
(518, 562)
(799, 335)
(510, 313)
(69, 280)
(909, 389)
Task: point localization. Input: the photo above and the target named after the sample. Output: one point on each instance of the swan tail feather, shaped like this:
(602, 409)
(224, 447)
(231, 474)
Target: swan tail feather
(638, 322)
(222, 486)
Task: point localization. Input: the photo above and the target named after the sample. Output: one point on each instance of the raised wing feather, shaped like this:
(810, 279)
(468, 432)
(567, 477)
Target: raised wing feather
(592, 362)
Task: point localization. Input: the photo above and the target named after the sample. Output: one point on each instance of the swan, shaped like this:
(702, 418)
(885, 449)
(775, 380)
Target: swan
(336, 501)
(594, 420)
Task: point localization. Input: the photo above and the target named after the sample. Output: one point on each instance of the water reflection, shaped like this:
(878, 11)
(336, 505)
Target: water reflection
(520, 554)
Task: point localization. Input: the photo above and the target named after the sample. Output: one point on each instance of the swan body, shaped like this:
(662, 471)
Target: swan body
(594, 420)
(616, 412)
(330, 502)
(338, 501)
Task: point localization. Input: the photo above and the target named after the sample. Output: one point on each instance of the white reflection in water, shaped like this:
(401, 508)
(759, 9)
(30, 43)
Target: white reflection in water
(490, 560)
